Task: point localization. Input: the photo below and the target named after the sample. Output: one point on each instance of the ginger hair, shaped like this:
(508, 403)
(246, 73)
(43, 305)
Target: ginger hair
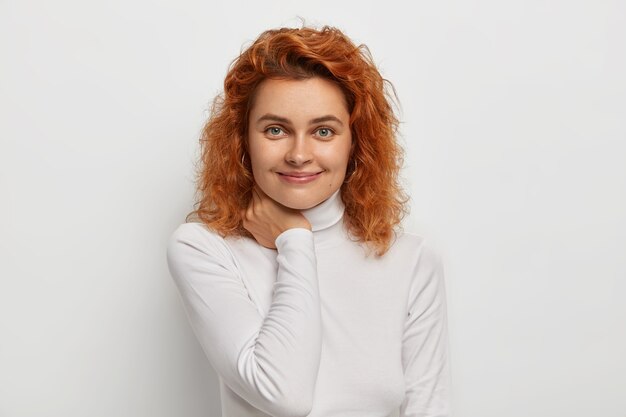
(374, 200)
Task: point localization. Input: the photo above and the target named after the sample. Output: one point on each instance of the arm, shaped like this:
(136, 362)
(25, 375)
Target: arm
(271, 362)
(425, 355)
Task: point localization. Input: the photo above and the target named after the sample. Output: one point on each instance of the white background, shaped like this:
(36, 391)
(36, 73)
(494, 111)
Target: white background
(514, 127)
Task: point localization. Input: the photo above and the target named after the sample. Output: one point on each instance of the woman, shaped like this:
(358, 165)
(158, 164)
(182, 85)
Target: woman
(301, 288)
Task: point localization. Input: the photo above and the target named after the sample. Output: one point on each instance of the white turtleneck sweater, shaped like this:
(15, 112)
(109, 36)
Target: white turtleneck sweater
(315, 327)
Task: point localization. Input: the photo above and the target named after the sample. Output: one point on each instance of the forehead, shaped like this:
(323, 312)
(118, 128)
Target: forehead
(304, 98)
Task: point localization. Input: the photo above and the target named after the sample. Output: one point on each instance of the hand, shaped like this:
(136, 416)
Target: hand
(266, 218)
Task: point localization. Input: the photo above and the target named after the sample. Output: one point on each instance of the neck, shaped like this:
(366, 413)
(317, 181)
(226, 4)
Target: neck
(326, 213)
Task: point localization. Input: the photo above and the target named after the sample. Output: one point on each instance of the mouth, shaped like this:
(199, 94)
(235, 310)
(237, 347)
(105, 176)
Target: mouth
(299, 177)
(300, 174)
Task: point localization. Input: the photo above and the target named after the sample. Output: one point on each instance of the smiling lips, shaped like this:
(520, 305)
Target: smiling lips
(299, 174)
(299, 177)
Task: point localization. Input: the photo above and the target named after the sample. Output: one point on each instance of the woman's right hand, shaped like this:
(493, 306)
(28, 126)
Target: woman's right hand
(265, 219)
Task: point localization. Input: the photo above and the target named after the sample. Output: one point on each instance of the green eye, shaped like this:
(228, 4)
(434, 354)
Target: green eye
(274, 130)
(324, 132)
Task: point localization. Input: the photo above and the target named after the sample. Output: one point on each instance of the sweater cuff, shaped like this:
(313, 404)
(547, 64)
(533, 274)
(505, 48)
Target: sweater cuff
(295, 235)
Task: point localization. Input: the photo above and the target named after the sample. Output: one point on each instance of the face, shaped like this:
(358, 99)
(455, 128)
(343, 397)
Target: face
(299, 140)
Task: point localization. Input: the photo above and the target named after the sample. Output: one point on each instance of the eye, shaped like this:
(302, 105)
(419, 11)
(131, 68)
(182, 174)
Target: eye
(274, 130)
(325, 132)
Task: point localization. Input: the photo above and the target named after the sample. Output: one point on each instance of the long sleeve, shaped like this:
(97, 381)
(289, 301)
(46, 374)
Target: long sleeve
(425, 354)
(272, 362)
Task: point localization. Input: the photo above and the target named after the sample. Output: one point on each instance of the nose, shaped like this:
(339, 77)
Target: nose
(299, 152)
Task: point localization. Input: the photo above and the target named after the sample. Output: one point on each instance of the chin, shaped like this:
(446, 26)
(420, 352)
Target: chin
(299, 204)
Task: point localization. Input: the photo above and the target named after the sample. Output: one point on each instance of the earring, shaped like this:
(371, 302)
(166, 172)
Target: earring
(352, 173)
(243, 156)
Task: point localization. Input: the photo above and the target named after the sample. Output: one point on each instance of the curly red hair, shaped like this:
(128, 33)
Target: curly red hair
(374, 200)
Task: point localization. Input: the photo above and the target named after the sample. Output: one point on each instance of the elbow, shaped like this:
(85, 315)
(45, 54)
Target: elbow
(297, 405)
(296, 397)
(280, 397)
(291, 399)
(284, 390)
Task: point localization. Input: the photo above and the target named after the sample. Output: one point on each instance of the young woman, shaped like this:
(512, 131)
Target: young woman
(305, 294)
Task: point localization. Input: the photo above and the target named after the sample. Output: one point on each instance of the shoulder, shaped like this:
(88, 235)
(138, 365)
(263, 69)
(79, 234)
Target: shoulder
(416, 248)
(195, 239)
(427, 282)
(194, 232)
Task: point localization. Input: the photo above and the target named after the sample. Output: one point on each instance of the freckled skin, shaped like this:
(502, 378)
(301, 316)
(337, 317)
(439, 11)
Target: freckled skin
(294, 144)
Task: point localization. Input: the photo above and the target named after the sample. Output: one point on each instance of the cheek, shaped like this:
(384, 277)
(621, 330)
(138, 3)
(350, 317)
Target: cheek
(337, 157)
(258, 153)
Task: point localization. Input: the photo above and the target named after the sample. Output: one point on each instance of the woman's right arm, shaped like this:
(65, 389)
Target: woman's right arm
(272, 361)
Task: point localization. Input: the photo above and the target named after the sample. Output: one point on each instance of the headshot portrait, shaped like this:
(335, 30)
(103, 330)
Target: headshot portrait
(312, 209)
(303, 293)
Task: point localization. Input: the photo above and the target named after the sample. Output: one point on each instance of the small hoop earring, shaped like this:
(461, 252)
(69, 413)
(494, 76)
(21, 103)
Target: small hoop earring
(243, 156)
(352, 173)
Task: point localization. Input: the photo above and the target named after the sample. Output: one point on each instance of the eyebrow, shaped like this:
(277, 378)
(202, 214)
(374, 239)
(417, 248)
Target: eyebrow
(275, 118)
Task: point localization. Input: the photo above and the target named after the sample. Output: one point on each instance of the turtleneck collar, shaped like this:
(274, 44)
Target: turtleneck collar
(327, 213)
